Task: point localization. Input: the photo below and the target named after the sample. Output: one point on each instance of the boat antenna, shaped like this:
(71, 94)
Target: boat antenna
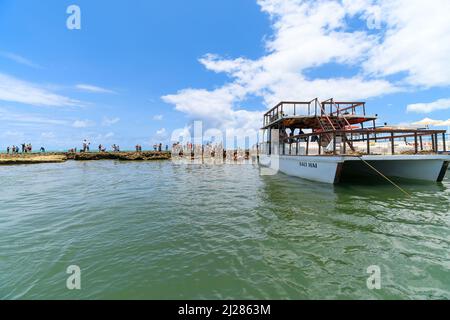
(381, 174)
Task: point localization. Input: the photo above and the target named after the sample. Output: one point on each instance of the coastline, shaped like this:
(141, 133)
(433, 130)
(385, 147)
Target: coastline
(59, 157)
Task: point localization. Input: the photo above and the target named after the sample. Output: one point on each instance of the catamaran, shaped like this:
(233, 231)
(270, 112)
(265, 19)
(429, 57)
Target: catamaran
(331, 141)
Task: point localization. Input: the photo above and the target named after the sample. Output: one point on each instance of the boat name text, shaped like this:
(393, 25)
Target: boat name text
(308, 164)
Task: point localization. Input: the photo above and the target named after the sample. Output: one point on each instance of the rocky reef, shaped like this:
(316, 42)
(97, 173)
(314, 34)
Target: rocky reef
(31, 158)
(123, 156)
(56, 157)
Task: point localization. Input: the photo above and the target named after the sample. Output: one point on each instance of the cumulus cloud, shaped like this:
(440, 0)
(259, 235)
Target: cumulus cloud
(409, 39)
(440, 104)
(16, 90)
(416, 41)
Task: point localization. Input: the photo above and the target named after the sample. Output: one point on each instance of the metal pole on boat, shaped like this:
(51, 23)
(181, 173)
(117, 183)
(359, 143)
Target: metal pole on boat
(436, 142)
(415, 143)
(307, 145)
(443, 142)
(433, 143)
(344, 141)
(320, 144)
(368, 143)
(392, 143)
(334, 142)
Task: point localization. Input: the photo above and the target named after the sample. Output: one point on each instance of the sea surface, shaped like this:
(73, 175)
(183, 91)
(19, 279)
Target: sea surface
(159, 230)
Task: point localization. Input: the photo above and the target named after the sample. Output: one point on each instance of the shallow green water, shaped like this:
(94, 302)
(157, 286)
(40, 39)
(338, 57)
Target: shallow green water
(159, 230)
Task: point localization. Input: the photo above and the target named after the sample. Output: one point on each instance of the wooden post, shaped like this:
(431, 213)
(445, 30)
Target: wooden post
(374, 128)
(432, 143)
(320, 144)
(344, 141)
(443, 142)
(368, 143)
(334, 143)
(307, 145)
(436, 145)
(392, 143)
(269, 138)
(421, 143)
(415, 143)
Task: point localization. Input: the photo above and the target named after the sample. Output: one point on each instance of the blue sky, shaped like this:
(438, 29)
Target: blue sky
(137, 70)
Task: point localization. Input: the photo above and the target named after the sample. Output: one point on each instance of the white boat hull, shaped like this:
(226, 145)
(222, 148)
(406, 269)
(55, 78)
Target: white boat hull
(331, 169)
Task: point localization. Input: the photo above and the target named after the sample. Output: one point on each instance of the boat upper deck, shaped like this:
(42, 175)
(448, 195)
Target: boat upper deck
(301, 114)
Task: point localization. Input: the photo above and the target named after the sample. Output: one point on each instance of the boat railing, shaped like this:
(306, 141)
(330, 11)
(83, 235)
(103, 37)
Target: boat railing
(342, 108)
(365, 142)
(327, 108)
(292, 108)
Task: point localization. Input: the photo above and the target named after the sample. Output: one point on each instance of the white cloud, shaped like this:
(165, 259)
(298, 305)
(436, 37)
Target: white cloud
(13, 134)
(48, 135)
(106, 136)
(83, 123)
(93, 89)
(109, 121)
(440, 104)
(16, 90)
(416, 41)
(19, 59)
(161, 132)
(432, 122)
(27, 118)
(413, 38)
(158, 117)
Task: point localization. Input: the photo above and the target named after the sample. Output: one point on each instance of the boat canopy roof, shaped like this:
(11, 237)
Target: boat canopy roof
(313, 122)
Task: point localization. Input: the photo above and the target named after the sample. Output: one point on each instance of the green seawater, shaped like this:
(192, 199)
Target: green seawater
(157, 230)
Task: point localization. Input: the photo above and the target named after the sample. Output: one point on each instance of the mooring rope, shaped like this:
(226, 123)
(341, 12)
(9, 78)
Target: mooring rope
(381, 174)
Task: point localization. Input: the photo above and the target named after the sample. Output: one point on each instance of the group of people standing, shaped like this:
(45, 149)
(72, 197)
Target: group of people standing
(158, 147)
(115, 148)
(26, 148)
(86, 145)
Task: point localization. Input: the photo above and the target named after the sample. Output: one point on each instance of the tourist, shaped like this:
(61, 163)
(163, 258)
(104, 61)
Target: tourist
(23, 147)
(303, 139)
(160, 147)
(42, 149)
(86, 144)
